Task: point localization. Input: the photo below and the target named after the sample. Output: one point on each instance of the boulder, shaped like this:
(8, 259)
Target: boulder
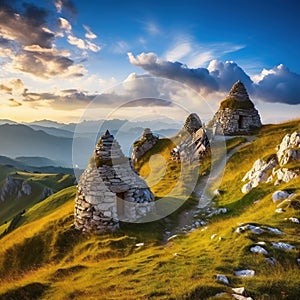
(278, 196)
(222, 279)
(259, 249)
(245, 273)
(289, 148)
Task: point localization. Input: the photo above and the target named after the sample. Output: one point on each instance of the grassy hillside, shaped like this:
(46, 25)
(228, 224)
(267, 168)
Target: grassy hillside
(61, 263)
(37, 181)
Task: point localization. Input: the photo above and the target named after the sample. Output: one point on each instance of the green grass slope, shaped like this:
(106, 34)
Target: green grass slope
(46, 258)
(37, 181)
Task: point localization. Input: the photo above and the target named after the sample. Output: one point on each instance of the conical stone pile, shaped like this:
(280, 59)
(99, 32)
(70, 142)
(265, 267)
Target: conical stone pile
(110, 190)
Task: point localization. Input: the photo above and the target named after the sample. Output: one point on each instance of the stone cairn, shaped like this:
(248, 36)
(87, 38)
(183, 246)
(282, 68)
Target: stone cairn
(140, 147)
(194, 144)
(237, 114)
(110, 190)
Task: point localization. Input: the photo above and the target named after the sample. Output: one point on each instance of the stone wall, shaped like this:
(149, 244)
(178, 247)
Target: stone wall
(233, 121)
(140, 147)
(237, 114)
(110, 190)
(194, 143)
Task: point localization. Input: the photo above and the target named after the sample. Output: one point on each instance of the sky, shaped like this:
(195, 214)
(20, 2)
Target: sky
(69, 60)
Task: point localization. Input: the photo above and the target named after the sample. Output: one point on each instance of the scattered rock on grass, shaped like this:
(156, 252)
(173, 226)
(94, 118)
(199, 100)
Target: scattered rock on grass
(222, 278)
(240, 290)
(245, 273)
(294, 220)
(259, 249)
(279, 196)
(283, 246)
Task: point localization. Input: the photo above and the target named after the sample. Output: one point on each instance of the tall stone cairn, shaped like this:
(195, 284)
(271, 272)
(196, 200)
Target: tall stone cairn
(110, 190)
(237, 114)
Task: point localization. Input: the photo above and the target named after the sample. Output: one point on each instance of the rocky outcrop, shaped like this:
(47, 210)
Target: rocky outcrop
(275, 168)
(46, 193)
(194, 142)
(289, 149)
(192, 123)
(140, 147)
(110, 190)
(14, 188)
(237, 114)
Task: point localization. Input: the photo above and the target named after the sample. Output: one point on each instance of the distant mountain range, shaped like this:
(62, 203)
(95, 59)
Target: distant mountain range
(68, 145)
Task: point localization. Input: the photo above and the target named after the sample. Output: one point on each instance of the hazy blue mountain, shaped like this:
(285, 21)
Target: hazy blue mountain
(21, 140)
(53, 131)
(6, 121)
(37, 161)
(46, 123)
(6, 161)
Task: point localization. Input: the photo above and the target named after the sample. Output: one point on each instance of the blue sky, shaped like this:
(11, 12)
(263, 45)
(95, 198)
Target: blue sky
(58, 55)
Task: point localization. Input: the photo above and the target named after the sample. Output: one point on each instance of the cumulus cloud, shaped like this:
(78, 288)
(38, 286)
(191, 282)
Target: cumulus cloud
(83, 45)
(226, 74)
(199, 78)
(278, 85)
(24, 35)
(275, 85)
(65, 25)
(28, 28)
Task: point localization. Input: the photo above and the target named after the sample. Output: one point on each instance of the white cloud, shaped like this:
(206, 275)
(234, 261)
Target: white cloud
(278, 85)
(199, 78)
(76, 42)
(53, 50)
(226, 74)
(197, 55)
(89, 34)
(58, 5)
(179, 51)
(93, 47)
(65, 25)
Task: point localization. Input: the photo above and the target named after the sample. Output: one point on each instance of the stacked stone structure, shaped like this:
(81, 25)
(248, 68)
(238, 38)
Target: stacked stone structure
(140, 147)
(194, 144)
(110, 190)
(237, 114)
